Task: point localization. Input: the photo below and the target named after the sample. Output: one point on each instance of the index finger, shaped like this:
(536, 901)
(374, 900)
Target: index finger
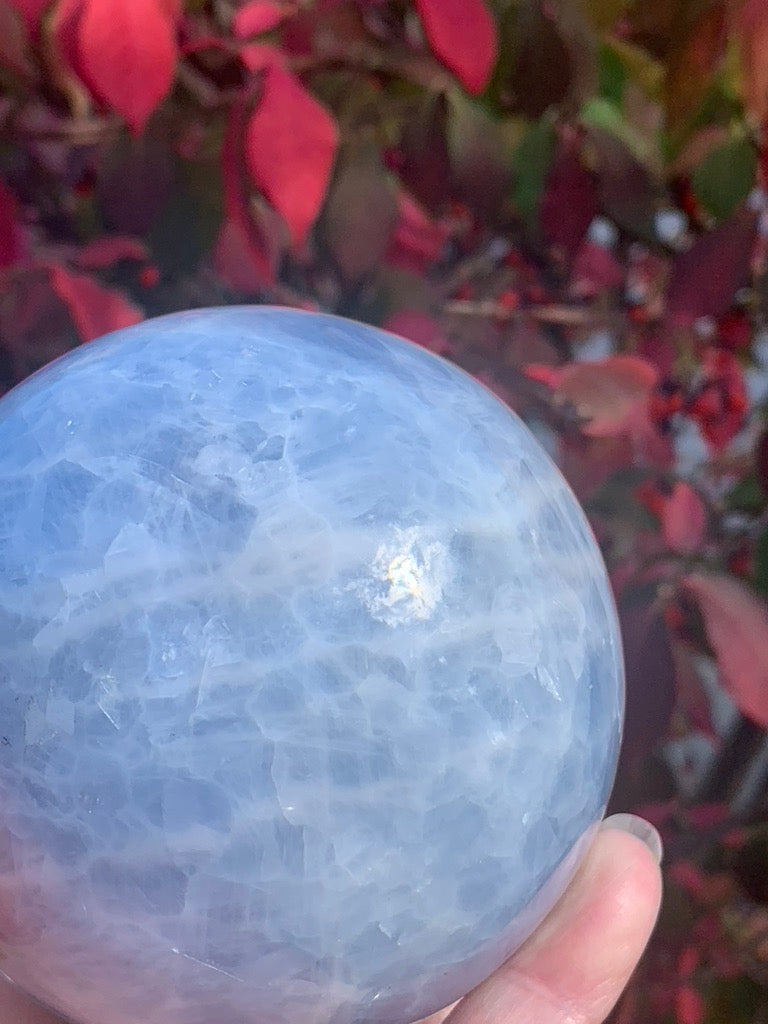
(575, 966)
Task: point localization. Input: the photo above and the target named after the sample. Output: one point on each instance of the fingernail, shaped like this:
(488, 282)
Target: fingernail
(640, 828)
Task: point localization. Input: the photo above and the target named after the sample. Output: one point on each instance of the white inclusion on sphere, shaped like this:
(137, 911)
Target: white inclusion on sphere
(407, 579)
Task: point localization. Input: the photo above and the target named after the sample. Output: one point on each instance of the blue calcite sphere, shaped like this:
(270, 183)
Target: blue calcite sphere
(310, 680)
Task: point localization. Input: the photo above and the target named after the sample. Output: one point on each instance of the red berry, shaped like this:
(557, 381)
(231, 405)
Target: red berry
(509, 300)
(638, 314)
(149, 276)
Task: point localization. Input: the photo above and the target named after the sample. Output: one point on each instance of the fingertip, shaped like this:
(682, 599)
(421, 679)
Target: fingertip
(578, 961)
(640, 828)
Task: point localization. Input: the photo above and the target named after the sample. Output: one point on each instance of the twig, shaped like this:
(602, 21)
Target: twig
(554, 314)
(77, 131)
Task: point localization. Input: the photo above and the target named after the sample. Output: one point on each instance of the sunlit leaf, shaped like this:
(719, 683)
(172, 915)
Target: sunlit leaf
(95, 309)
(608, 396)
(462, 34)
(290, 148)
(128, 55)
(257, 17)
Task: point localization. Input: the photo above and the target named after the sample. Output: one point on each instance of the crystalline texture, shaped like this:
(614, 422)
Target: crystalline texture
(310, 685)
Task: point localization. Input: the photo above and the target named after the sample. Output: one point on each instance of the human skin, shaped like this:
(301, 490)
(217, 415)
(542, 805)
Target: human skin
(575, 966)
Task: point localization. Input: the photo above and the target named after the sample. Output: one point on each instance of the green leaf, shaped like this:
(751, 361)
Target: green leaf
(360, 212)
(747, 496)
(612, 76)
(725, 177)
(601, 113)
(531, 163)
(642, 69)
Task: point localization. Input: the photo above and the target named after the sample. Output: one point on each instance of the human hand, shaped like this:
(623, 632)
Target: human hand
(572, 970)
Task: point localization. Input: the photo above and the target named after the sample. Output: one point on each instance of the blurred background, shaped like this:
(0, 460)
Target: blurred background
(567, 198)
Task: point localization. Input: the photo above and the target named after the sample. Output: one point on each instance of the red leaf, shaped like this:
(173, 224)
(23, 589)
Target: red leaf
(111, 249)
(238, 262)
(683, 519)
(462, 34)
(128, 55)
(290, 147)
(610, 395)
(754, 55)
(705, 279)
(689, 1006)
(569, 203)
(95, 310)
(12, 242)
(257, 17)
(736, 621)
(252, 233)
(418, 240)
(31, 11)
(421, 328)
(544, 374)
(248, 251)
(595, 270)
(260, 56)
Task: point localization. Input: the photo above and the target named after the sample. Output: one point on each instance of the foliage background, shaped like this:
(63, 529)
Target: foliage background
(566, 197)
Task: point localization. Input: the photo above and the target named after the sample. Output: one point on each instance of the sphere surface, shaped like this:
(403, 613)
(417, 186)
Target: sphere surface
(310, 680)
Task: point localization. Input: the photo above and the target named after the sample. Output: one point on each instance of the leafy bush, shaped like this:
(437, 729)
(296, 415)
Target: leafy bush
(567, 197)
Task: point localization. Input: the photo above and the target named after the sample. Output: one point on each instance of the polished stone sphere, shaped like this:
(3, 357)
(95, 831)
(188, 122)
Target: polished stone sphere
(310, 679)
